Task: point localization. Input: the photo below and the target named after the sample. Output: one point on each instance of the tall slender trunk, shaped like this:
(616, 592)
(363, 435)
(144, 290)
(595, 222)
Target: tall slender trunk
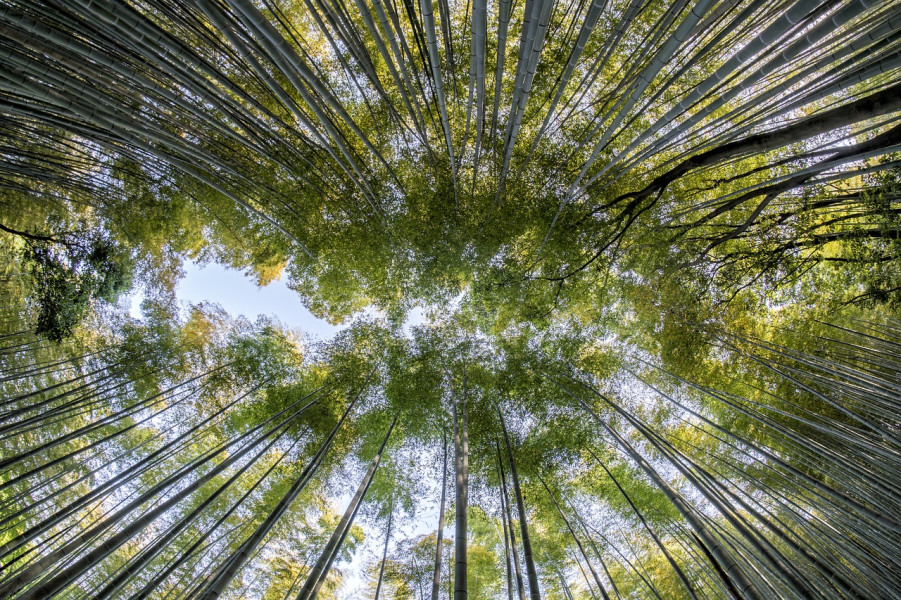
(688, 587)
(564, 586)
(520, 586)
(236, 560)
(56, 583)
(151, 586)
(105, 372)
(323, 565)
(597, 579)
(531, 573)
(500, 485)
(17, 499)
(138, 562)
(126, 476)
(86, 446)
(576, 560)
(737, 582)
(716, 494)
(436, 577)
(877, 104)
(461, 448)
(378, 586)
(597, 553)
(415, 571)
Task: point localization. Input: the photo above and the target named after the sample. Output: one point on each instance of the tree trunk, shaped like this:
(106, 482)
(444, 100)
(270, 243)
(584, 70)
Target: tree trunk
(520, 586)
(564, 586)
(461, 448)
(737, 581)
(378, 586)
(874, 105)
(151, 586)
(597, 579)
(70, 573)
(233, 563)
(534, 592)
(500, 485)
(105, 489)
(321, 569)
(653, 534)
(436, 577)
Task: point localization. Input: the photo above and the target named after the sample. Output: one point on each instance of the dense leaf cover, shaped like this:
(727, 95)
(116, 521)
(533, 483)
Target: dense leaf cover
(657, 249)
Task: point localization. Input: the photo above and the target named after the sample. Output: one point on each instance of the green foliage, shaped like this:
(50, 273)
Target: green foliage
(662, 277)
(68, 273)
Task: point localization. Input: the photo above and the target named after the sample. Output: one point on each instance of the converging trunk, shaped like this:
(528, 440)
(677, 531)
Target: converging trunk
(378, 586)
(436, 576)
(737, 582)
(229, 569)
(534, 592)
(597, 579)
(508, 522)
(461, 448)
(323, 565)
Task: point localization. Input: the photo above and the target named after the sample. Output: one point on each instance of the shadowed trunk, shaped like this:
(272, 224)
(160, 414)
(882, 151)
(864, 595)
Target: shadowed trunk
(461, 448)
(534, 592)
(322, 567)
(436, 576)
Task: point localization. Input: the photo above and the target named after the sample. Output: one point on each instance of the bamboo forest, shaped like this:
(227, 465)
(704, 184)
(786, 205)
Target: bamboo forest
(614, 289)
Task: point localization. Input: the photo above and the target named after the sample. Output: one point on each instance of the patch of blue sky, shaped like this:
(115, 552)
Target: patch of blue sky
(239, 295)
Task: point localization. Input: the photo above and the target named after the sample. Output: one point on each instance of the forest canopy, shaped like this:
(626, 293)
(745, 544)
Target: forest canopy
(657, 246)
